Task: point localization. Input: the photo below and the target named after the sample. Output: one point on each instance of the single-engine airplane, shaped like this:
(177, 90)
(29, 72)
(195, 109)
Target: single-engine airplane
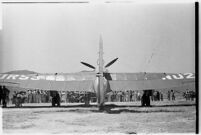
(99, 82)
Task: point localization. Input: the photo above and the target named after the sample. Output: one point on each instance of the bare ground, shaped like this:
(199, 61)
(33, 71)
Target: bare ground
(125, 118)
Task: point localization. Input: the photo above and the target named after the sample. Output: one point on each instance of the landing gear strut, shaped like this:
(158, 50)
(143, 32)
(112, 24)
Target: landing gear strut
(145, 101)
(55, 98)
(101, 107)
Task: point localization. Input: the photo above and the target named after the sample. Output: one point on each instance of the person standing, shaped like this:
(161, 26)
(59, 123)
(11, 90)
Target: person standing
(5, 94)
(131, 96)
(187, 95)
(127, 96)
(41, 96)
(87, 99)
(121, 96)
(1, 94)
(14, 97)
(168, 95)
(161, 96)
(138, 96)
(172, 95)
(157, 96)
(34, 96)
(118, 96)
(29, 96)
(18, 101)
(135, 96)
(37, 96)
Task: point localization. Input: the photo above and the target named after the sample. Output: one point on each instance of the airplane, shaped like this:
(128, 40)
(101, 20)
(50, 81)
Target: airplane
(99, 82)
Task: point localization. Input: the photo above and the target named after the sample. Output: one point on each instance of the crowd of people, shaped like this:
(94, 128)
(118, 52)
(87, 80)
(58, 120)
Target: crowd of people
(189, 95)
(43, 96)
(123, 96)
(171, 95)
(31, 96)
(132, 96)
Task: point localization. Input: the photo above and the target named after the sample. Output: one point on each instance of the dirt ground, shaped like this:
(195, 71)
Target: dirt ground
(125, 118)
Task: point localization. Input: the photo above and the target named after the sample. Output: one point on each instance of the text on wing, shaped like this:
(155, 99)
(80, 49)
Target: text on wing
(179, 76)
(41, 77)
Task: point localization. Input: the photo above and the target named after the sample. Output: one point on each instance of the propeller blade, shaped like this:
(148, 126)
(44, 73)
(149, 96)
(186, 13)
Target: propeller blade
(111, 62)
(88, 65)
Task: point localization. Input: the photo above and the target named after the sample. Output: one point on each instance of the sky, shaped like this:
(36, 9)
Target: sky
(0, 15)
(55, 37)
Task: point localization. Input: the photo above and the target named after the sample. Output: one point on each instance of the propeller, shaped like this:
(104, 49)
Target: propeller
(111, 62)
(88, 65)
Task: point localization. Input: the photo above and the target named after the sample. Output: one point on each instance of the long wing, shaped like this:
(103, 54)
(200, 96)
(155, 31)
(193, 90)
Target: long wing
(145, 81)
(82, 81)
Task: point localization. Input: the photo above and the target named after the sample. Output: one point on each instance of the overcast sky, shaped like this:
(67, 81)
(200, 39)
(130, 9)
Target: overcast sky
(56, 37)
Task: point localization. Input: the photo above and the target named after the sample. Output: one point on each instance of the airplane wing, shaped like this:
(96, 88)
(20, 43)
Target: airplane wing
(81, 81)
(146, 81)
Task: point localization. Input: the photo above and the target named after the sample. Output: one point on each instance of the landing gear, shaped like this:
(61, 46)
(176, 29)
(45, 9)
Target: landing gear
(55, 98)
(101, 102)
(101, 107)
(55, 101)
(145, 100)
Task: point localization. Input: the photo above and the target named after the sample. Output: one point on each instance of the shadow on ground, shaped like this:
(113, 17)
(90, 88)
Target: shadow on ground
(106, 106)
(112, 108)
